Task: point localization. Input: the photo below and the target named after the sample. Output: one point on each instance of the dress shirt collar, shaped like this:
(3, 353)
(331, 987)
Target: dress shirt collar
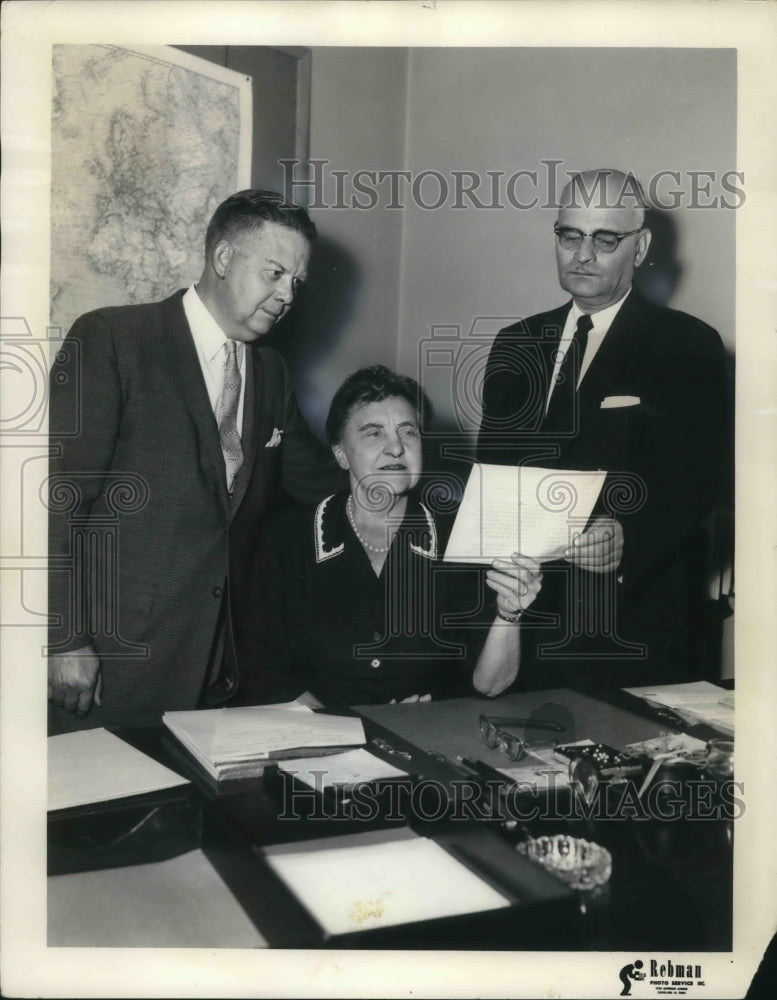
(208, 335)
(602, 320)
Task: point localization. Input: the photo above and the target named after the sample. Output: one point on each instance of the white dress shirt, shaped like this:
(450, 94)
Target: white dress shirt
(602, 321)
(209, 341)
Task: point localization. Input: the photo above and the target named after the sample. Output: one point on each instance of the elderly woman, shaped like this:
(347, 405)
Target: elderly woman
(353, 597)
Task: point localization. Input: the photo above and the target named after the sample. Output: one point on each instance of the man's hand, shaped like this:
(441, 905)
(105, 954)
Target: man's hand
(516, 580)
(75, 680)
(600, 549)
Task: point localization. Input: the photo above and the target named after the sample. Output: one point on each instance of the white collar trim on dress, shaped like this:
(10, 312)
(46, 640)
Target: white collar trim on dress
(323, 552)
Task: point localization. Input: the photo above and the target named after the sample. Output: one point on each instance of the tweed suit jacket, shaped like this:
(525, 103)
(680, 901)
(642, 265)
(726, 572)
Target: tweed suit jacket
(144, 540)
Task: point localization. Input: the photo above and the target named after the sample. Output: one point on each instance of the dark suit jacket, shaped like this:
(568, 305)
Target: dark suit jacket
(144, 541)
(665, 455)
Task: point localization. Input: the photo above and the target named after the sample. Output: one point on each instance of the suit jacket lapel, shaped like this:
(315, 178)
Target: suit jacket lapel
(188, 382)
(549, 334)
(609, 367)
(270, 405)
(612, 362)
(263, 410)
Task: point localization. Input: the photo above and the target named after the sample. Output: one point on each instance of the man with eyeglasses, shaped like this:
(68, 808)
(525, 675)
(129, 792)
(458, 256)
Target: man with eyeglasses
(610, 382)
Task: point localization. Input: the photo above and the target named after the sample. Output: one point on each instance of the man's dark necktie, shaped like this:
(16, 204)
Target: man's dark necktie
(561, 415)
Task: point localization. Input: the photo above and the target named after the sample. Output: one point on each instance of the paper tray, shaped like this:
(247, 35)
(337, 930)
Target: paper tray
(242, 862)
(130, 831)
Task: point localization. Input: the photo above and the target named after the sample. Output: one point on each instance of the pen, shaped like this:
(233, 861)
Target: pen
(670, 715)
(529, 723)
(387, 748)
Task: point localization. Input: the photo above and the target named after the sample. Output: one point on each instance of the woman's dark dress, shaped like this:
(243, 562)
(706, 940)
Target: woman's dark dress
(324, 622)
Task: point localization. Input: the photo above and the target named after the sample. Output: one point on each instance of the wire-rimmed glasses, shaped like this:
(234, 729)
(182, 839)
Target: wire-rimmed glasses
(604, 240)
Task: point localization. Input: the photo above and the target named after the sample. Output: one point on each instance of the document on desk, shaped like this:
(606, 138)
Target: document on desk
(541, 770)
(96, 766)
(237, 742)
(695, 702)
(362, 881)
(534, 511)
(348, 768)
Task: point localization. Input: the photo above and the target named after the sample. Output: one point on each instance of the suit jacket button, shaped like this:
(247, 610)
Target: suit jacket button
(217, 591)
(375, 663)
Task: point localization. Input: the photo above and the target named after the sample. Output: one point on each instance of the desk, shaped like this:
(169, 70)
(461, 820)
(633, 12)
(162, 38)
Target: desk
(671, 888)
(178, 903)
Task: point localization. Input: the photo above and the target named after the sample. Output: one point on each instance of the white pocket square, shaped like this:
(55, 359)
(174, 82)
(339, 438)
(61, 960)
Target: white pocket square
(275, 440)
(616, 402)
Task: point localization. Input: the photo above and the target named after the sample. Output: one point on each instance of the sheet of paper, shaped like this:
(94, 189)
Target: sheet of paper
(223, 735)
(538, 771)
(684, 695)
(379, 880)
(96, 766)
(697, 701)
(523, 509)
(671, 747)
(295, 706)
(541, 769)
(340, 769)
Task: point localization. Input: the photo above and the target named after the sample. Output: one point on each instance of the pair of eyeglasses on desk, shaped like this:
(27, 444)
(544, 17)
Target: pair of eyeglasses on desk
(495, 736)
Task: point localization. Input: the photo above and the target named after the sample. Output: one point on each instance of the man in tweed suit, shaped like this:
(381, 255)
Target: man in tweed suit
(183, 441)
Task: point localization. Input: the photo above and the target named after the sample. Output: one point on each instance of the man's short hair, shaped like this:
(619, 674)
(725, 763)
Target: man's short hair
(371, 385)
(248, 210)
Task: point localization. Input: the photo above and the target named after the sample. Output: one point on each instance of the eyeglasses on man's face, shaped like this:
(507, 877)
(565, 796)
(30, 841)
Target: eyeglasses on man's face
(604, 240)
(513, 747)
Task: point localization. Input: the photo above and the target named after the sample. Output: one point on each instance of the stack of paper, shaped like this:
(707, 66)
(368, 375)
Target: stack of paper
(96, 766)
(695, 703)
(344, 769)
(239, 742)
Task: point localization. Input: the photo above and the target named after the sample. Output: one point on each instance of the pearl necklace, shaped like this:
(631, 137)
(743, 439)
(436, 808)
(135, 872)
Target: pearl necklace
(352, 519)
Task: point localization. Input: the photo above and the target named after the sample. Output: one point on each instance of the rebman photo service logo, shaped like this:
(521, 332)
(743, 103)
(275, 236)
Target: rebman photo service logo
(659, 977)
